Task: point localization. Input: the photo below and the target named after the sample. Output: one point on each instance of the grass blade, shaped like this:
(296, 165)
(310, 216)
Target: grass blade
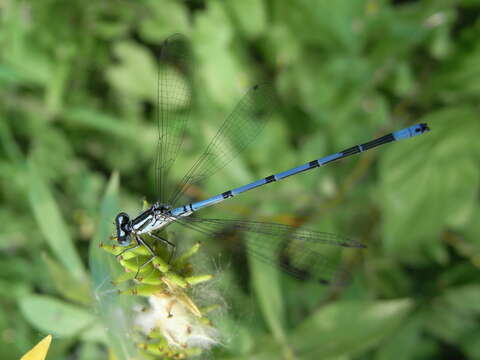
(51, 224)
(110, 305)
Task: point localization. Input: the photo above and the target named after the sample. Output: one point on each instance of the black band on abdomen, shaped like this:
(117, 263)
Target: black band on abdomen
(227, 194)
(382, 140)
(351, 151)
(270, 179)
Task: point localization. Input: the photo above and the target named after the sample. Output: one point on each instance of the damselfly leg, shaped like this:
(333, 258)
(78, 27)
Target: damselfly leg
(143, 243)
(120, 255)
(166, 242)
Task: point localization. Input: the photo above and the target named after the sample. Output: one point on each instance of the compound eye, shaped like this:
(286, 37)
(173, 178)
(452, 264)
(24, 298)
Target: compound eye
(122, 220)
(122, 224)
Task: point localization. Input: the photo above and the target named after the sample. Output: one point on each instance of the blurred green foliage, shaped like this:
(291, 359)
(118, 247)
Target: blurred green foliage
(77, 89)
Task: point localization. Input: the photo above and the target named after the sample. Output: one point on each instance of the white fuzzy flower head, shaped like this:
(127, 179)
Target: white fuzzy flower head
(179, 321)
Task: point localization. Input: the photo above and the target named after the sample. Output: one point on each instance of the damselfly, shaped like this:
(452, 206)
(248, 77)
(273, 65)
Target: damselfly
(175, 101)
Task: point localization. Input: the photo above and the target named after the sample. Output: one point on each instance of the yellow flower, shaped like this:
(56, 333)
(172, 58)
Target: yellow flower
(39, 351)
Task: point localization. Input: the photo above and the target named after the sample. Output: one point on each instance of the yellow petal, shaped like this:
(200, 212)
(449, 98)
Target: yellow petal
(39, 351)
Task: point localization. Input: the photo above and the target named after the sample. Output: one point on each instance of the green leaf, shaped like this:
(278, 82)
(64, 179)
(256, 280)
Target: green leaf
(454, 314)
(65, 284)
(48, 141)
(218, 73)
(403, 343)
(101, 122)
(99, 266)
(348, 328)
(58, 82)
(266, 282)
(458, 79)
(54, 316)
(51, 224)
(404, 82)
(250, 15)
(90, 351)
(470, 245)
(429, 183)
(470, 344)
(95, 333)
(164, 18)
(10, 147)
(136, 73)
(334, 22)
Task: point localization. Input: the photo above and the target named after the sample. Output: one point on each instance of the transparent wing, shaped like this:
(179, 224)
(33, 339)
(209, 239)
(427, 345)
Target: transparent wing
(174, 103)
(239, 129)
(298, 252)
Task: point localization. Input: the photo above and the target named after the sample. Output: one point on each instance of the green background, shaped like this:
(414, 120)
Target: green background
(77, 88)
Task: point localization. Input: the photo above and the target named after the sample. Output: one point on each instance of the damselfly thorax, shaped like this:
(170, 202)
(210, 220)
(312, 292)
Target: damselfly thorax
(153, 219)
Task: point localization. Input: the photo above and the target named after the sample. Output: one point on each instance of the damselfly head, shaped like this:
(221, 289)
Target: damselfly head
(124, 228)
